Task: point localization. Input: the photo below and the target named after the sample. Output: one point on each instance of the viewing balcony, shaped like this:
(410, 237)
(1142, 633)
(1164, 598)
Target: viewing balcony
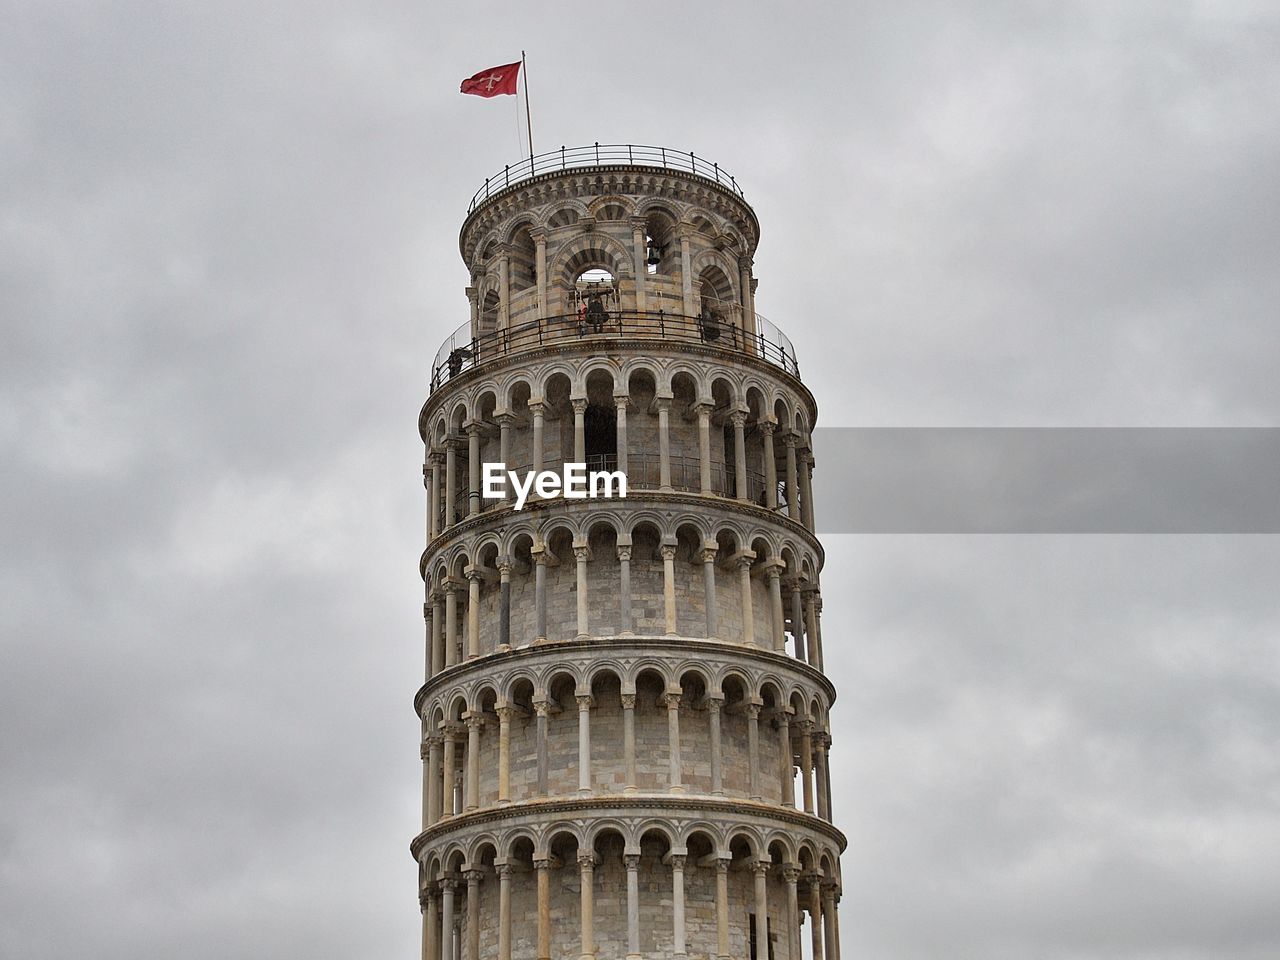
(461, 351)
(598, 155)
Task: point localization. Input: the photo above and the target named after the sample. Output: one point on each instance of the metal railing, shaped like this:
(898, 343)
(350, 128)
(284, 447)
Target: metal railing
(461, 351)
(601, 154)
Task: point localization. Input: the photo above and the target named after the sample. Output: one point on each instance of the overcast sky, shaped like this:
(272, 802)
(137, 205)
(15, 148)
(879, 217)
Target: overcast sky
(228, 251)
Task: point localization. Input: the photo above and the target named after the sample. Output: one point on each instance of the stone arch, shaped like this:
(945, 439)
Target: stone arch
(593, 250)
(565, 213)
(611, 207)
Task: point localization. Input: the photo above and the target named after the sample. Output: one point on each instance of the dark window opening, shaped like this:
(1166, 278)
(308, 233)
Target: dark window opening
(751, 927)
(601, 435)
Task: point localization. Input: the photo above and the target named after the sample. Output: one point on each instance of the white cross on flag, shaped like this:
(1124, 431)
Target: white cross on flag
(494, 81)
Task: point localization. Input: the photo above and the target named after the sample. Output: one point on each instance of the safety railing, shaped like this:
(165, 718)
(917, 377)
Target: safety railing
(461, 351)
(602, 154)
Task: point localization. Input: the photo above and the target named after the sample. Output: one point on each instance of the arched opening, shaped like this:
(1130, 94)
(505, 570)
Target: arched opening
(600, 423)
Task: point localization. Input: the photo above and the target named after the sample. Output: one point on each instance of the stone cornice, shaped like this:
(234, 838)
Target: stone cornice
(656, 804)
(605, 180)
(593, 347)
(616, 644)
(540, 510)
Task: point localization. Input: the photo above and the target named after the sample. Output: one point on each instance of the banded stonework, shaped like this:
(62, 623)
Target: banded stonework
(625, 723)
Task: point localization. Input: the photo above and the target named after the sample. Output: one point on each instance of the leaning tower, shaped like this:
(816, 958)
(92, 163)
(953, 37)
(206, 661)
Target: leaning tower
(625, 721)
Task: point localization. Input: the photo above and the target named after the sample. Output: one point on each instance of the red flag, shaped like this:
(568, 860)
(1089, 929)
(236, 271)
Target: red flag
(495, 80)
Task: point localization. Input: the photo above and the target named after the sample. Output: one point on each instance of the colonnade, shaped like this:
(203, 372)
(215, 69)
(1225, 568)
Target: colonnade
(444, 479)
(451, 756)
(445, 602)
(446, 936)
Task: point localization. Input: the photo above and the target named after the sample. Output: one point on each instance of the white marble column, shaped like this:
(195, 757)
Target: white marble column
(632, 862)
(761, 870)
(704, 448)
(793, 483)
(815, 916)
(581, 554)
(622, 402)
(717, 764)
(585, 703)
(586, 866)
(450, 482)
(709, 553)
(787, 758)
(473, 914)
(624, 587)
(437, 463)
(677, 905)
(473, 611)
(806, 763)
(639, 256)
(447, 774)
(504, 910)
(450, 587)
(774, 573)
(770, 465)
(722, 909)
(753, 750)
(474, 723)
(629, 741)
(447, 886)
(829, 919)
(540, 266)
(664, 442)
(473, 467)
(505, 715)
(672, 701)
(745, 559)
(741, 488)
(543, 867)
(790, 874)
(668, 554)
(433, 779)
(579, 430)
(538, 411)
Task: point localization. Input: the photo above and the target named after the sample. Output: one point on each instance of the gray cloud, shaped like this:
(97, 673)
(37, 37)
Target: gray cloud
(228, 253)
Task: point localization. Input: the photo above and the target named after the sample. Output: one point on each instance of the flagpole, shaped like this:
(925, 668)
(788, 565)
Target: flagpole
(528, 122)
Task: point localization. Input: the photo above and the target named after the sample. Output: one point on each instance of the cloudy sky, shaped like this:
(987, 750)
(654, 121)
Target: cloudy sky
(228, 252)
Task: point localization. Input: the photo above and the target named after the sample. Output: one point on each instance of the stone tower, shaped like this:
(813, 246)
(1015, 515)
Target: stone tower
(625, 718)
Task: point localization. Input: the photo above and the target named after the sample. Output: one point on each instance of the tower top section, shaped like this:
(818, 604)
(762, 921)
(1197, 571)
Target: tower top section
(615, 241)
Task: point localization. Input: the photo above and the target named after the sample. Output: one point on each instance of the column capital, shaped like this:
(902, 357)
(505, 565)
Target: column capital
(537, 407)
(761, 867)
(585, 701)
(767, 427)
(448, 884)
(621, 400)
(753, 711)
(624, 554)
(709, 554)
(542, 708)
(672, 701)
(715, 704)
(677, 861)
(506, 714)
(632, 861)
(667, 552)
(662, 403)
(738, 418)
(821, 740)
(722, 864)
(582, 553)
(436, 457)
(542, 863)
(579, 405)
(424, 749)
(503, 870)
(435, 740)
(790, 872)
(474, 877)
(474, 721)
(791, 439)
(587, 861)
(628, 701)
